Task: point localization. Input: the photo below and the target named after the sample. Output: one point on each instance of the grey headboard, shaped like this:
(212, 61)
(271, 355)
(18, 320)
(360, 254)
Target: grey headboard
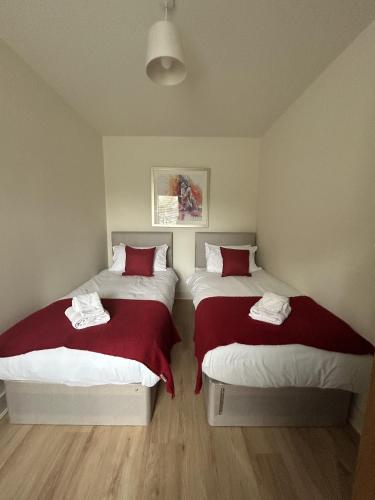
(145, 239)
(219, 239)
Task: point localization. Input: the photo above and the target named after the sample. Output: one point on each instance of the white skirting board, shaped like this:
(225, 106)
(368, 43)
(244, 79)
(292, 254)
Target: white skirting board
(37, 403)
(231, 405)
(3, 401)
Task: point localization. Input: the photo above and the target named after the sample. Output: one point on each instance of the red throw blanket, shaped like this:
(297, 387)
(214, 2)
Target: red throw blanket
(221, 321)
(142, 330)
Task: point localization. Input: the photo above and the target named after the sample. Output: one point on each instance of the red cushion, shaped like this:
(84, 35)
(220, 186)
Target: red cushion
(235, 262)
(139, 261)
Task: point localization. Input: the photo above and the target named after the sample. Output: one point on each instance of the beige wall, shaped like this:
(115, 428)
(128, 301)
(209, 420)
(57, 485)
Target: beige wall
(234, 176)
(52, 208)
(316, 208)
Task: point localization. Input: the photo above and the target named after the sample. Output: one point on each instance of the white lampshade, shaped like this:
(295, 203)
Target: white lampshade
(165, 63)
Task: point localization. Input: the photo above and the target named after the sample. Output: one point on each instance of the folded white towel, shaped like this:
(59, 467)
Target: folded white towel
(80, 320)
(273, 302)
(271, 308)
(87, 310)
(88, 303)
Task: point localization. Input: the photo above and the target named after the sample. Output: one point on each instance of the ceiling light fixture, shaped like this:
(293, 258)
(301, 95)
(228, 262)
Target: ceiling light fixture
(165, 62)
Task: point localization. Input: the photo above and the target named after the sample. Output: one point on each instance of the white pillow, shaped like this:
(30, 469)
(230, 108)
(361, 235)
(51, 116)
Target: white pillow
(214, 260)
(119, 257)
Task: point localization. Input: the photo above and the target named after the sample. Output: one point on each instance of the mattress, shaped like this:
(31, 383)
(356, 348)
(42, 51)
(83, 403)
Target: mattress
(85, 368)
(292, 365)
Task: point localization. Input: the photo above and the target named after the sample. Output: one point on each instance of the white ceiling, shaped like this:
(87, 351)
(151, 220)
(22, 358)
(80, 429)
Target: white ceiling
(247, 59)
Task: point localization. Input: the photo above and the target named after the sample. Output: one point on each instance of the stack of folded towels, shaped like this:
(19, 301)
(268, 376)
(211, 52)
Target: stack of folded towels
(87, 310)
(271, 308)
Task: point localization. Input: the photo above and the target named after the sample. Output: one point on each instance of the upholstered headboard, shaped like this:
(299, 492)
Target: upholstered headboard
(145, 239)
(219, 239)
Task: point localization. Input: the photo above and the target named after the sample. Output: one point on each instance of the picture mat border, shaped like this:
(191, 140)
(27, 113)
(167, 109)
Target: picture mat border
(177, 168)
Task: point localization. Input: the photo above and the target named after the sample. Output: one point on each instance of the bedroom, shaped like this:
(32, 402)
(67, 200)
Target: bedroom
(278, 105)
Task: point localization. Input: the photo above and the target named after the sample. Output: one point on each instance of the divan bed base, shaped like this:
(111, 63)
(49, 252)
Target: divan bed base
(233, 405)
(39, 403)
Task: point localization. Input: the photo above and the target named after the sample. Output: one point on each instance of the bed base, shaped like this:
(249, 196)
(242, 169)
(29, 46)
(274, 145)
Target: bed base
(234, 405)
(39, 403)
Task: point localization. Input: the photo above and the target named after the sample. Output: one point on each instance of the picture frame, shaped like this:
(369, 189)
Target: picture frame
(179, 196)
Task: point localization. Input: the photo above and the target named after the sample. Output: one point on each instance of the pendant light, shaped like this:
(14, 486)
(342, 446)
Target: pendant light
(165, 62)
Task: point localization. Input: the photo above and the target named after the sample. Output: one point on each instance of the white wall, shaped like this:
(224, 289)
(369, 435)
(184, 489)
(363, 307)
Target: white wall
(316, 199)
(52, 207)
(234, 177)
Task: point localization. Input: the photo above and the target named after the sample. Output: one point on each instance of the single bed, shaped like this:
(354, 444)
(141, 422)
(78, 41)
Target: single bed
(293, 385)
(80, 387)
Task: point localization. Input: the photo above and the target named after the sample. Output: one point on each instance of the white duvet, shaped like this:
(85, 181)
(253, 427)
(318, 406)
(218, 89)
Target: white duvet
(291, 365)
(84, 368)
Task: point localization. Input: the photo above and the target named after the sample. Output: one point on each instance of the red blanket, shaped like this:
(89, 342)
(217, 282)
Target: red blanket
(142, 330)
(222, 321)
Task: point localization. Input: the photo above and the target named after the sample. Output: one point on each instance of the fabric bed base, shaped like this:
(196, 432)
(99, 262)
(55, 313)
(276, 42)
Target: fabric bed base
(233, 405)
(40, 403)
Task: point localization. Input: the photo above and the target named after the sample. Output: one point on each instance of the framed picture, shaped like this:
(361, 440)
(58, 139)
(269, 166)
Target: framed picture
(179, 196)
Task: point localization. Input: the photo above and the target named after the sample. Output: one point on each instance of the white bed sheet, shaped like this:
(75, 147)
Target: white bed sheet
(85, 368)
(291, 365)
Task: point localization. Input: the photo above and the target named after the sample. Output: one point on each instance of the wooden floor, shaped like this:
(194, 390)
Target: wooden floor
(178, 456)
